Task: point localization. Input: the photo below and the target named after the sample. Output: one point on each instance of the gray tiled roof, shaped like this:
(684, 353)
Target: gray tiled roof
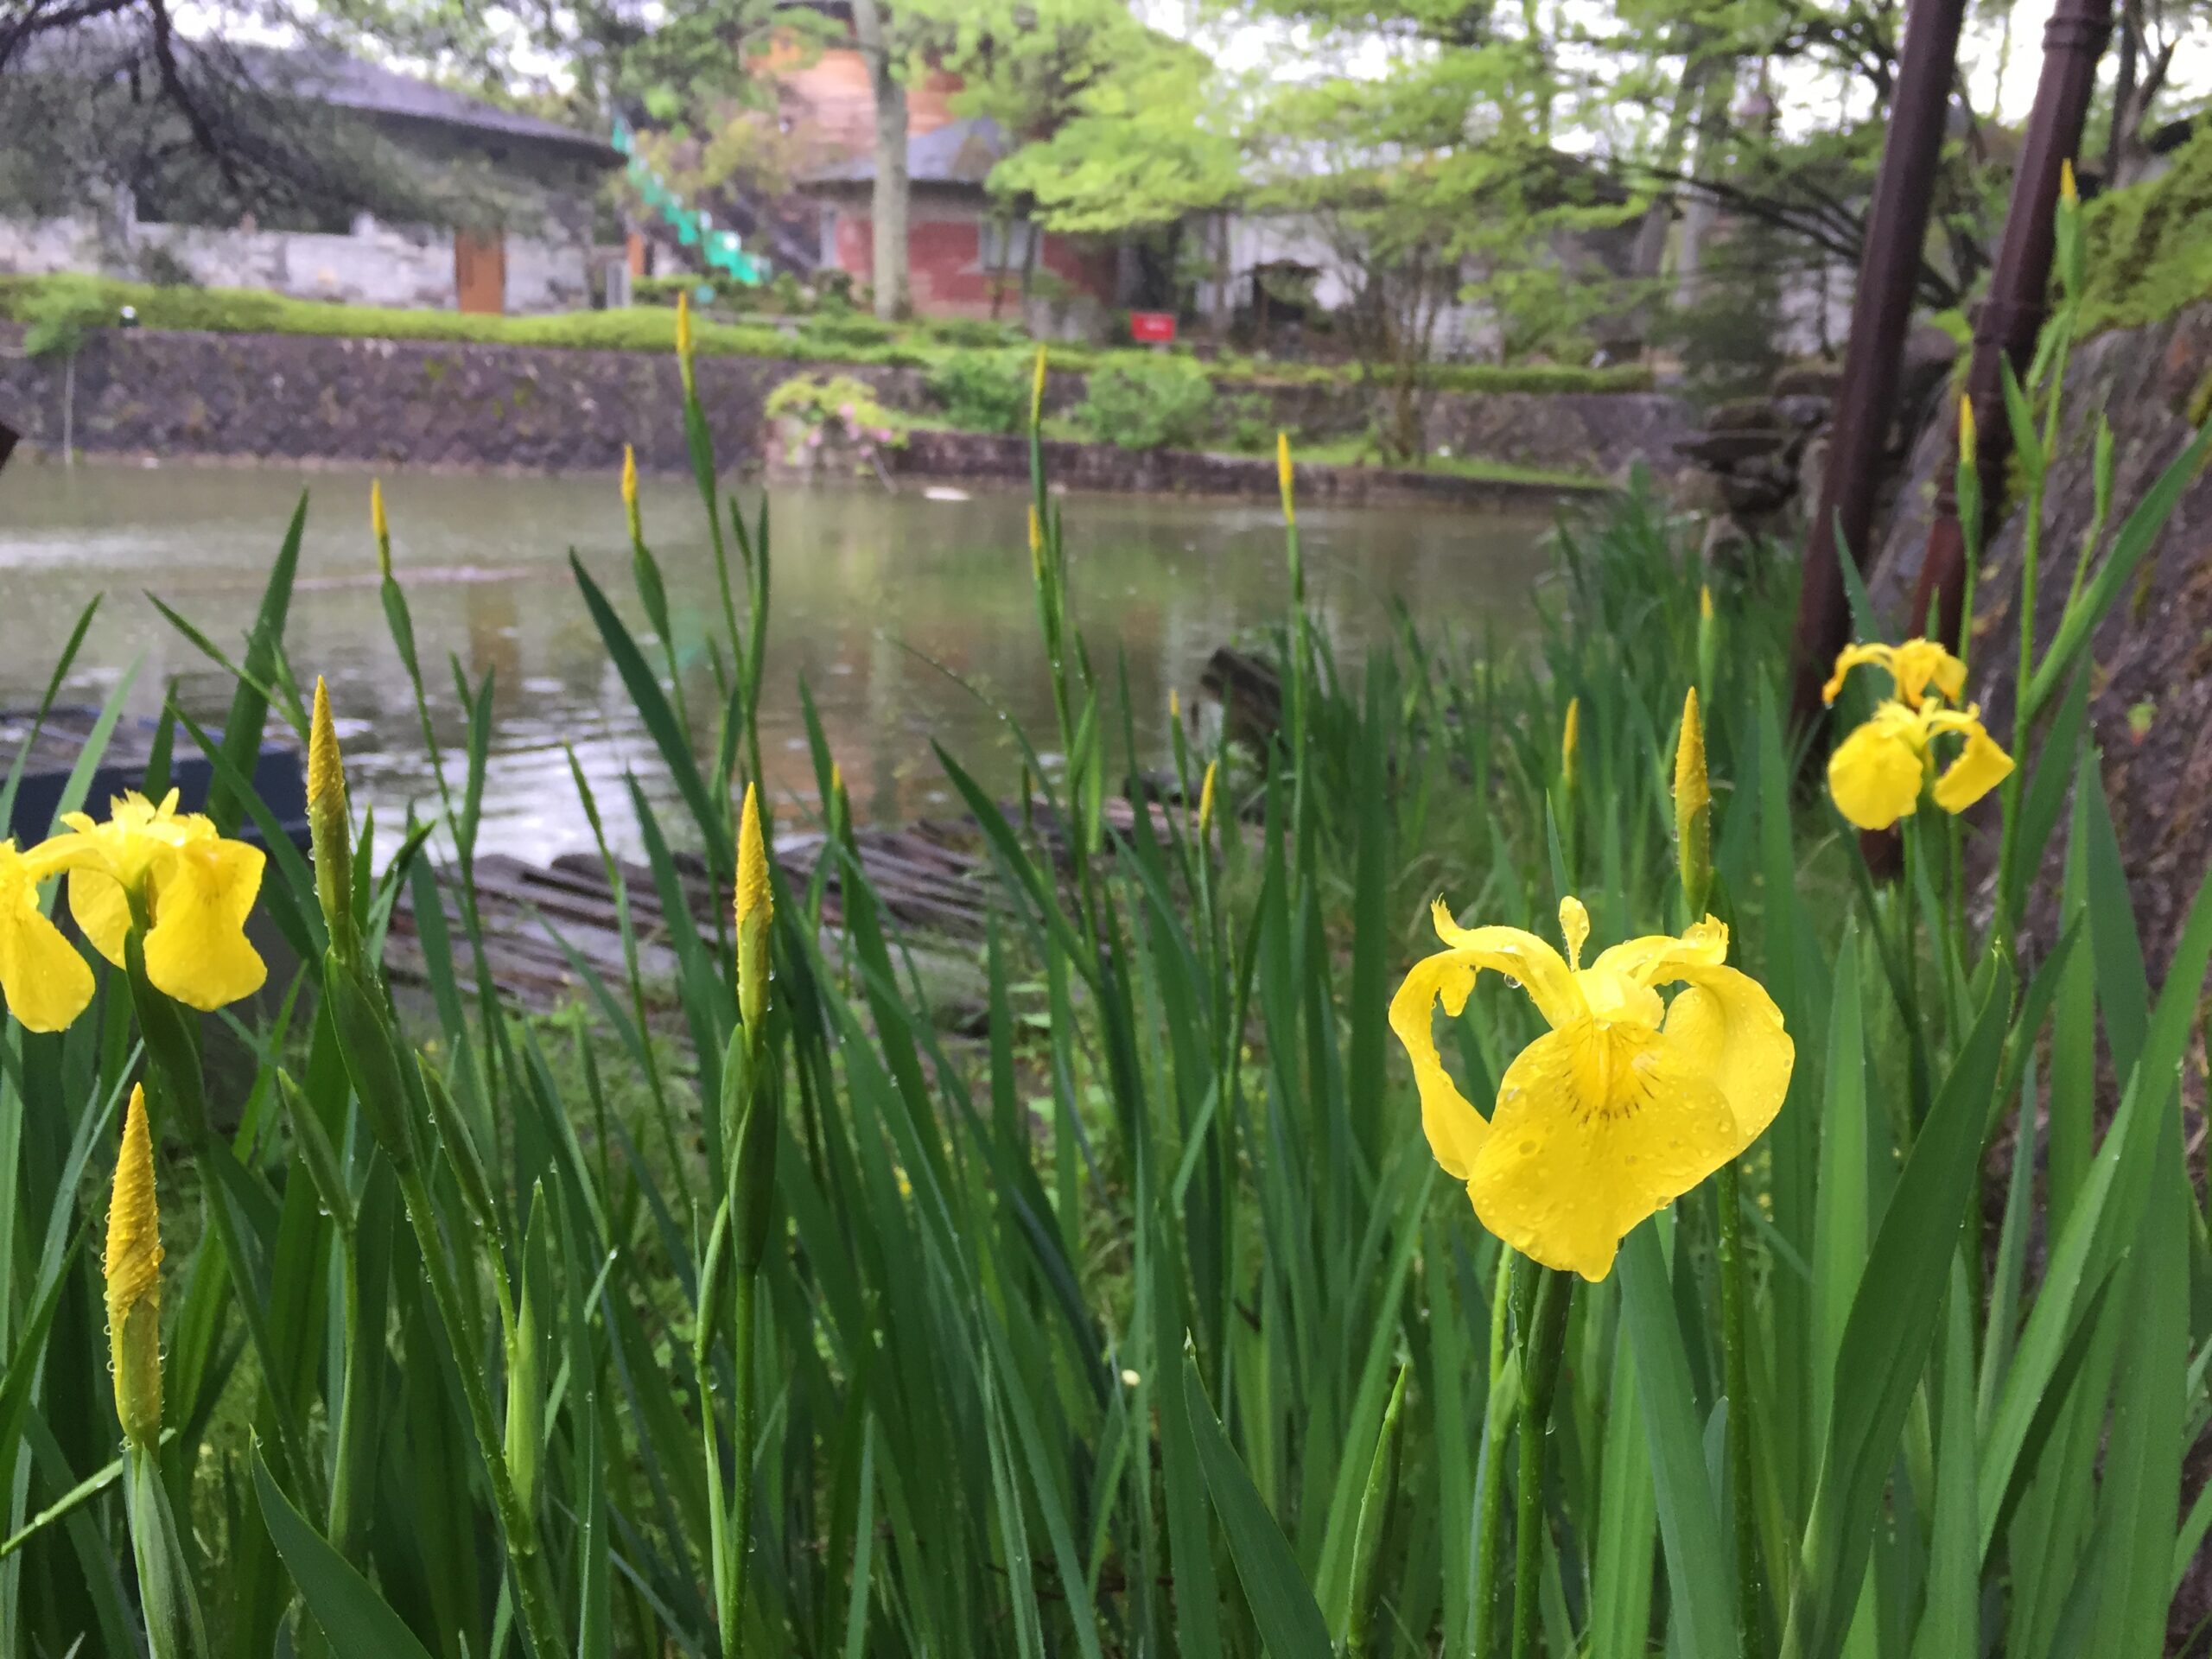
(104, 48)
(960, 152)
(348, 83)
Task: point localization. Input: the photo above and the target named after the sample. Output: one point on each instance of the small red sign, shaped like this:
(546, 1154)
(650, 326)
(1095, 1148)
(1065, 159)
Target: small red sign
(1153, 328)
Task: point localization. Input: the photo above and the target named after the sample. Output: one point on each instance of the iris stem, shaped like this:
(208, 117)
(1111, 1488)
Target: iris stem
(1490, 1550)
(1543, 1346)
(743, 1412)
(1736, 1360)
(517, 1529)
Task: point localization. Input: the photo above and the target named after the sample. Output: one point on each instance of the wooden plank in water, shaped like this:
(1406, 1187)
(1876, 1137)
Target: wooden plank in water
(934, 876)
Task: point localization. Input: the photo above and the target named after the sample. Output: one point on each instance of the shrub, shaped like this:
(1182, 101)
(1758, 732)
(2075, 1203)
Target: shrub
(848, 328)
(810, 411)
(58, 319)
(983, 392)
(1151, 403)
(1248, 423)
(973, 333)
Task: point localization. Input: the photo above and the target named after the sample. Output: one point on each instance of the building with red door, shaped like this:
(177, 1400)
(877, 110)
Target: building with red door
(967, 255)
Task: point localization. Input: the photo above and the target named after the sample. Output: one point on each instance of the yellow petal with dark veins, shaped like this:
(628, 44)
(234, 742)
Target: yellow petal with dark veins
(1598, 1126)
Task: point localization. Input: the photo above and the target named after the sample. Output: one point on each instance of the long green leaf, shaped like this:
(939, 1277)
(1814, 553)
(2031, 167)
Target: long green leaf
(354, 1619)
(1289, 1619)
(1886, 1340)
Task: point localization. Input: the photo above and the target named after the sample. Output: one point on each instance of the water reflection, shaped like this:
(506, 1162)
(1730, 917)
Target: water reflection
(910, 620)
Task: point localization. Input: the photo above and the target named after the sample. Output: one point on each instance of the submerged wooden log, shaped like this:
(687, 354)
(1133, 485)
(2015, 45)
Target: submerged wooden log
(1250, 695)
(548, 929)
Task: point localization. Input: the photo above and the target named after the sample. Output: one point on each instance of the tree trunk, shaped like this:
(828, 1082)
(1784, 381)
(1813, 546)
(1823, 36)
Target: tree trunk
(888, 206)
(1717, 88)
(2123, 94)
(1649, 255)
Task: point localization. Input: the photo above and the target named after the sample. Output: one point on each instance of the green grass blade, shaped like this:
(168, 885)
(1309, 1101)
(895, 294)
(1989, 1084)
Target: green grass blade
(355, 1620)
(1699, 1575)
(1289, 1619)
(1887, 1338)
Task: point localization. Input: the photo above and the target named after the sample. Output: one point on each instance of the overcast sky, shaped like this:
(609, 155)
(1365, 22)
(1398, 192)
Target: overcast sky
(1996, 77)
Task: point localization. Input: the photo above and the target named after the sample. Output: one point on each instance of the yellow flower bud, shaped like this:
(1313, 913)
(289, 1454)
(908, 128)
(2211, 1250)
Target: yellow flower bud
(1174, 706)
(683, 344)
(630, 494)
(2066, 192)
(1570, 739)
(326, 770)
(1967, 440)
(379, 527)
(756, 907)
(133, 1271)
(1283, 477)
(1037, 389)
(1205, 799)
(329, 826)
(1705, 601)
(1692, 792)
(1693, 808)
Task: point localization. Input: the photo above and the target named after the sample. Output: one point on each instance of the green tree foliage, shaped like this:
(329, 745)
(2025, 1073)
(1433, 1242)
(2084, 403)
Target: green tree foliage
(1134, 137)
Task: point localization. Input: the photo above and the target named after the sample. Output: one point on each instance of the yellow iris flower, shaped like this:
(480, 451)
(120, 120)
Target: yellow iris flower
(1877, 774)
(1626, 1104)
(197, 888)
(44, 981)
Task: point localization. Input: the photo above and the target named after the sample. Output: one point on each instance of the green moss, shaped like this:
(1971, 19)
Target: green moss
(2150, 245)
(1358, 452)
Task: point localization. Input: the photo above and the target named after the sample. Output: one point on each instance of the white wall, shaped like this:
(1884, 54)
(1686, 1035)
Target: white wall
(1465, 329)
(378, 264)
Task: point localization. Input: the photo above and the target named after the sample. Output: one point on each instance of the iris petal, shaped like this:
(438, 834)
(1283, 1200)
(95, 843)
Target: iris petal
(1875, 774)
(1519, 956)
(1725, 1024)
(102, 913)
(1981, 765)
(1656, 958)
(45, 982)
(197, 950)
(1455, 1130)
(1598, 1126)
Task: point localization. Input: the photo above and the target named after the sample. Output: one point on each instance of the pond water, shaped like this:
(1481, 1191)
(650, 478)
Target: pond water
(909, 619)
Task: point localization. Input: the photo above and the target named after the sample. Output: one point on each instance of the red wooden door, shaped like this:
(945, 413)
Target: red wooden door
(480, 270)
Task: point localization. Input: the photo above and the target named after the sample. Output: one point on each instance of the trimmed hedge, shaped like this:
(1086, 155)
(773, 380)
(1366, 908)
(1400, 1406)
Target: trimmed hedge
(848, 338)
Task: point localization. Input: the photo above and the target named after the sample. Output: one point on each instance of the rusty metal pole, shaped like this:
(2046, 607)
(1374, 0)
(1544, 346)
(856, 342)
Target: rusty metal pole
(1881, 310)
(2006, 323)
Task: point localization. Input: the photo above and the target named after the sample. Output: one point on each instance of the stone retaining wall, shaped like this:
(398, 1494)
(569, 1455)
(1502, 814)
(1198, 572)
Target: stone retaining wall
(1601, 432)
(401, 403)
(938, 453)
(429, 403)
